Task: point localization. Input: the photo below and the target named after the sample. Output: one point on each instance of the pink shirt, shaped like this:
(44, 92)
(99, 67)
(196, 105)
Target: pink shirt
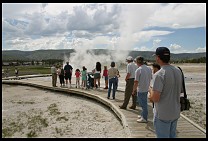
(77, 74)
(105, 72)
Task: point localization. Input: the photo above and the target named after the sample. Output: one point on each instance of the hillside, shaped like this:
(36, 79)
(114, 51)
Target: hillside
(59, 54)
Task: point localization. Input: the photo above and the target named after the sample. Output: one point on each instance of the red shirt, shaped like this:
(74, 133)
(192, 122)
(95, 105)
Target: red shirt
(105, 72)
(77, 74)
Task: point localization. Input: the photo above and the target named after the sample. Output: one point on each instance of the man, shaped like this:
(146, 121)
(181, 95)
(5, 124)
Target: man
(131, 68)
(165, 92)
(54, 75)
(142, 80)
(68, 73)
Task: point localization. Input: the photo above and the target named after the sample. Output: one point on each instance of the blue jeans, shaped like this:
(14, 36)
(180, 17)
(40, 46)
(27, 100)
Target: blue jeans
(112, 81)
(165, 128)
(142, 100)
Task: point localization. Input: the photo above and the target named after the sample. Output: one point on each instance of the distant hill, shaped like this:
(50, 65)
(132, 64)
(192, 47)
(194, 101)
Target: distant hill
(59, 54)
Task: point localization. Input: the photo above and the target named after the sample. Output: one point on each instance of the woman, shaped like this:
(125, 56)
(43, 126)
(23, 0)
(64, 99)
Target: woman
(112, 73)
(97, 74)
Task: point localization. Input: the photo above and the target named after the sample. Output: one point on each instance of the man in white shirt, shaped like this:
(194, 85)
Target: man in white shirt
(131, 68)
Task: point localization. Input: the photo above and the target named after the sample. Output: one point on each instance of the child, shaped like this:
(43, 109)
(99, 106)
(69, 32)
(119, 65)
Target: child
(84, 77)
(117, 76)
(60, 73)
(77, 74)
(105, 74)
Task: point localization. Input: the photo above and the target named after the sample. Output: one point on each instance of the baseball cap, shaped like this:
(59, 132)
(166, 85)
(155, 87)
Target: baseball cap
(129, 58)
(162, 51)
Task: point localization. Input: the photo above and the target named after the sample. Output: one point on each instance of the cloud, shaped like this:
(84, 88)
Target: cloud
(175, 47)
(111, 26)
(179, 16)
(201, 49)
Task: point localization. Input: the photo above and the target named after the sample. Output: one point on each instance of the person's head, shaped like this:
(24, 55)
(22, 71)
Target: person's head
(139, 60)
(77, 70)
(105, 67)
(67, 63)
(98, 66)
(84, 68)
(112, 64)
(129, 59)
(162, 55)
(155, 67)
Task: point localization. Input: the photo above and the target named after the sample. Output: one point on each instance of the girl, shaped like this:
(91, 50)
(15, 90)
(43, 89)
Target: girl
(105, 74)
(84, 77)
(77, 74)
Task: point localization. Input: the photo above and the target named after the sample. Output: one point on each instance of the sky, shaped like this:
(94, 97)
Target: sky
(137, 26)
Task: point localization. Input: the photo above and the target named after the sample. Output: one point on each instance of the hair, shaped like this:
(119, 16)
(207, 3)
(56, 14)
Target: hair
(84, 68)
(155, 65)
(105, 67)
(98, 66)
(165, 59)
(77, 70)
(113, 64)
(140, 60)
(67, 63)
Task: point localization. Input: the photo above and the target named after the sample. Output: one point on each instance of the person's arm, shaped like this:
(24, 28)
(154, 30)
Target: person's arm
(127, 76)
(135, 87)
(154, 95)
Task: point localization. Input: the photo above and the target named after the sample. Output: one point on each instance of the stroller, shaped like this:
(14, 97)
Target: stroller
(90, 80)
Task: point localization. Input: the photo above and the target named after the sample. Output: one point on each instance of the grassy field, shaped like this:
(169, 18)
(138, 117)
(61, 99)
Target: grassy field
(27, 70)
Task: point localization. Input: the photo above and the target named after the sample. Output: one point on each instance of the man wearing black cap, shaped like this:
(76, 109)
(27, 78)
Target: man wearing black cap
(165, 90)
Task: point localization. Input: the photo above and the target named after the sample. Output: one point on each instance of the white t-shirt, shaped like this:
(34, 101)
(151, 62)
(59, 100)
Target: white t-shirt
(143, 75)
(131, 68)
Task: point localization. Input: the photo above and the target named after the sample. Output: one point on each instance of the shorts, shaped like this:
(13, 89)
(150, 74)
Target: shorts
(106, 78)
(68, 76)
(96, 75)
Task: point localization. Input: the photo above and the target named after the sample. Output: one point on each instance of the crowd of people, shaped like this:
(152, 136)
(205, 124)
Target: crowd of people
(162, 85)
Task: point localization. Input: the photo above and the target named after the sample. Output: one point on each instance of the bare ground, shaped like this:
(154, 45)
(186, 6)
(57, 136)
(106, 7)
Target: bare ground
(31, 112)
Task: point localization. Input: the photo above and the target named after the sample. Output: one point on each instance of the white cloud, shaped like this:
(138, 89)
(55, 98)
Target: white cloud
(156, 43)
(201, 49)
(175, 47)
(180, 16)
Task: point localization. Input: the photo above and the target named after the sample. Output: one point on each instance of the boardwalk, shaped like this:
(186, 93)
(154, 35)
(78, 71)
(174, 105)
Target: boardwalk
(185, 128)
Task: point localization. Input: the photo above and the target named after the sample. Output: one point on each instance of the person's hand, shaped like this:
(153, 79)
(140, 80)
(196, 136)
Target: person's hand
(150, 99)
(134, 92)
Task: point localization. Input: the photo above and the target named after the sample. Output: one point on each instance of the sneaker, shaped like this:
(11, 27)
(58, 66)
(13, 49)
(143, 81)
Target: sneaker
(139, 116)
(121, 107)
(141, 120)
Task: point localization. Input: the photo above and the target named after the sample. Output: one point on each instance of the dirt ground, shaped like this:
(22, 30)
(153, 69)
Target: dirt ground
(31, 112)
(23, 110)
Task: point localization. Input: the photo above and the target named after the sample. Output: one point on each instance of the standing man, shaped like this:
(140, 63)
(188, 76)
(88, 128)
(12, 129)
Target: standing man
(54, 75)
(68, 73)
(142, 80)
(165, 91)
(131, 68)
